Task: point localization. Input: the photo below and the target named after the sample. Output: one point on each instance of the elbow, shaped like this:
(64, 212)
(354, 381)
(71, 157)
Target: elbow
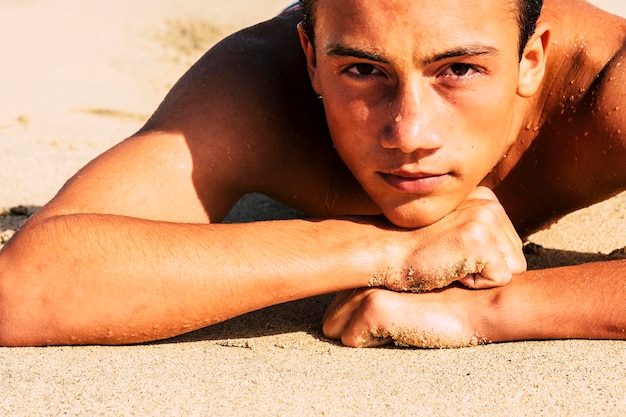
(12, 331)
(24, 320)
(15, 327)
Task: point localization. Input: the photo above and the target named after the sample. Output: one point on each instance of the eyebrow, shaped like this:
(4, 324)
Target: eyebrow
(342, 50)
(477, 49)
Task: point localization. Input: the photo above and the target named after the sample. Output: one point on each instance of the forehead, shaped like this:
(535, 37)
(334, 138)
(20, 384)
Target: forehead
(423, 24)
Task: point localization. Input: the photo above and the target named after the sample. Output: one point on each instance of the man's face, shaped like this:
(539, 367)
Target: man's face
(420, 97)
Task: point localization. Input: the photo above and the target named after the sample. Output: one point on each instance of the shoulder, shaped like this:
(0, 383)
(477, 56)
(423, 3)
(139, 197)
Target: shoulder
(609, 104)
(247, 111)
(238, 71)
(578, 156)
(599, 118)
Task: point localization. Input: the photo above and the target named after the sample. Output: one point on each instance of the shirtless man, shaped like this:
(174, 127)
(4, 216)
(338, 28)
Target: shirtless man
(429, 106)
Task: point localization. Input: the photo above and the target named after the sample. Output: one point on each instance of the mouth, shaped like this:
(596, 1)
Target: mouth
(414, 182)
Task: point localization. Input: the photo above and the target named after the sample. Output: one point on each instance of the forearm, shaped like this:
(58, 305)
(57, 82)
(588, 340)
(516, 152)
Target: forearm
(583, 301)
(112, 279)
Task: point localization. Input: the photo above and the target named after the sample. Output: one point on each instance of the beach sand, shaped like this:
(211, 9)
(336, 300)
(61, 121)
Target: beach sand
(80, 76)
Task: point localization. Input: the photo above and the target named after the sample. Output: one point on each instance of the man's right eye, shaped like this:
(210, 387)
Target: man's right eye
(362, 69)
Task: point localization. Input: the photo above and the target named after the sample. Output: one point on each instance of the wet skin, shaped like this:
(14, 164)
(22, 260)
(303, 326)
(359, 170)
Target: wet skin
(570, 118)
(556, 144)
(410, 122)
(419, 117)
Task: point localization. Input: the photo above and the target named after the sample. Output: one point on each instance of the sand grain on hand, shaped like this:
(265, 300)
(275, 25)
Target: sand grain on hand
(409, 337)
(416, 280)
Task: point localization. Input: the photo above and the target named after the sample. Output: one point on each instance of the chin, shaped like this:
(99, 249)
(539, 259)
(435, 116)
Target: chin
(412, 219)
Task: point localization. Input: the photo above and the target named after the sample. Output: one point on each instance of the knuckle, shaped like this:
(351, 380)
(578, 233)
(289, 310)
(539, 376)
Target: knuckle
(476, 233)
(352, 329)
(484, 193)
(496, 280)
(489, 212)
(352, 340)
(330, 330)
(370, 305)
(519, 266)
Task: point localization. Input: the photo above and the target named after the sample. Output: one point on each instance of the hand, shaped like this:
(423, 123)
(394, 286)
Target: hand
(476, 244)
(373, 317)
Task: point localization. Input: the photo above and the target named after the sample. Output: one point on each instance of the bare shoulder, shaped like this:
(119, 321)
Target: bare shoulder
(242, 119)
(251, 118)
(608, 112)
(578, 155)
(593, 130)
(611, 96)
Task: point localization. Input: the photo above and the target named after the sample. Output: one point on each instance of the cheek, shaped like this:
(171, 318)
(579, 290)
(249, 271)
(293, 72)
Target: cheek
(346, 115)
(489, 130)
(493, 120)
(351, 128)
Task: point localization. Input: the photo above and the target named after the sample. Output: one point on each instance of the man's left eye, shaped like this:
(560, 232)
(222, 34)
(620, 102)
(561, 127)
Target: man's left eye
(461, 70)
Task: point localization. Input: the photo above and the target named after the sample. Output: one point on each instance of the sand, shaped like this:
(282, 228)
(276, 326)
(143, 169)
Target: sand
(77, 77)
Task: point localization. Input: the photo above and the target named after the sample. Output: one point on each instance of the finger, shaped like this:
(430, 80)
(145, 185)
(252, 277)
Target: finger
(359, 333)
(488, 265)
(367, 322)
(337, 301)
(341, 310)
(485, 194)
(511, 246)
(508, 242)
(365, 340)
(493, 275)
(482, 193)
(499, 265)
(509, 250)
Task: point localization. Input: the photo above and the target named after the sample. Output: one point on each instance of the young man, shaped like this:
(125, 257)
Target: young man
(429, 109)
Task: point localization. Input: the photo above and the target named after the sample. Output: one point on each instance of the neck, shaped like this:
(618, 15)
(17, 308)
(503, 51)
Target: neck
(524, 131)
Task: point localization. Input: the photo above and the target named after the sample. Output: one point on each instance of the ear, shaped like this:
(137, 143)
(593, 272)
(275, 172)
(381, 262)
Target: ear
(309, 53)
(533, 63)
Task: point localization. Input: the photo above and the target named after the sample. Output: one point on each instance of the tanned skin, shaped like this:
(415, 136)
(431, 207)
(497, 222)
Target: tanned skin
(398, 166)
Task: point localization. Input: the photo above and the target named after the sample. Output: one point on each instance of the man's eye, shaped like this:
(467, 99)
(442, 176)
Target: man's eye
(362, 69)
(461, 70)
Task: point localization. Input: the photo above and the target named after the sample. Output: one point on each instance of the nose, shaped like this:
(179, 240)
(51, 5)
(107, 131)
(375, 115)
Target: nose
(411, 126)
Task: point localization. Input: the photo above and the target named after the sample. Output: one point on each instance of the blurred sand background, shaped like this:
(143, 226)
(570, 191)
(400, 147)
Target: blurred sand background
(76, 78)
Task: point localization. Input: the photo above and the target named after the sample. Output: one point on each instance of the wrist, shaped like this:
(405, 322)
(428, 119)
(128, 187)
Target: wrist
(486, 314)
(367, 250)
(390, 249)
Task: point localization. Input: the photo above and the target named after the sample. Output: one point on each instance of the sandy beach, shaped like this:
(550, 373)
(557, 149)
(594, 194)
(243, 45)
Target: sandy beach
(78, 77)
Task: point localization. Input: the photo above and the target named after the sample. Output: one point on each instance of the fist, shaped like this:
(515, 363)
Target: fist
(476, 245)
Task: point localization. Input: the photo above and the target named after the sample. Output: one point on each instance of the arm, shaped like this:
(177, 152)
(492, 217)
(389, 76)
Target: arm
(127, 251)
(94, 278)
(69, 278)
(130, 249)
(585, 301)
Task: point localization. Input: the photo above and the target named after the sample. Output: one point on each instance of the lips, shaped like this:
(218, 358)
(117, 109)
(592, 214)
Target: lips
(414, 182)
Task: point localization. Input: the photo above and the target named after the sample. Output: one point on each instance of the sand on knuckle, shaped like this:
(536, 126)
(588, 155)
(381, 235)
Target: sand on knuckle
(426, 339)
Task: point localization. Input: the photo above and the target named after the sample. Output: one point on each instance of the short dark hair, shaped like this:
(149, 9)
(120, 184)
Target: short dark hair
(528, 14)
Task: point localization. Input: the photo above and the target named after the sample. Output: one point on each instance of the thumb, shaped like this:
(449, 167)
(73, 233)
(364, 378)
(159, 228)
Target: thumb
(493, 274)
